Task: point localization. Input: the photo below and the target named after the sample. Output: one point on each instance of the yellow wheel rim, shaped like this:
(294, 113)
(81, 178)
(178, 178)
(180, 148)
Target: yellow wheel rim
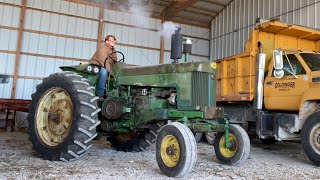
(54, 116)
(170, 151)
(228, 152)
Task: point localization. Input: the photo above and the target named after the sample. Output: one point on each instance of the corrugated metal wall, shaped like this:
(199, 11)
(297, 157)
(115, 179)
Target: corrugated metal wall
(137, 36)
(9, 17)
(58, 33)
(231, 28)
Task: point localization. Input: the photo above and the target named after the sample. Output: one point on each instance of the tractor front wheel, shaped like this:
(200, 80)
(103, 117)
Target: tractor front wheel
(176, 150)
(238, 151)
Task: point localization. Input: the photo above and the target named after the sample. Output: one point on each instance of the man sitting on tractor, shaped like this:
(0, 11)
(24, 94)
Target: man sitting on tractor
(105, 57)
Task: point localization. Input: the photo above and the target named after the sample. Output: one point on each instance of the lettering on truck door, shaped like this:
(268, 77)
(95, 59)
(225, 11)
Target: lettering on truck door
(285, 93)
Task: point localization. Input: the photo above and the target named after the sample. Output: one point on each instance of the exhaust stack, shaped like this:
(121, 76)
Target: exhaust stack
(260, 64)
(176, 46)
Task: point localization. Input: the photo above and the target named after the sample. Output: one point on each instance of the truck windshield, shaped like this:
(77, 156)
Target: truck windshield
(312, 60)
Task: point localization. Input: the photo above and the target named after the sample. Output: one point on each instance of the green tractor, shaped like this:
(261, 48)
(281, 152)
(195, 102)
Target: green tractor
(160, 104)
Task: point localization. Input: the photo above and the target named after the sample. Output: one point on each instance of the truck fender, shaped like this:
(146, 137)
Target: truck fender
(307, 108)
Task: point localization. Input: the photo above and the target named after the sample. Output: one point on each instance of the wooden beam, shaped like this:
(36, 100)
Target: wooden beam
(207, 12)
(215, 3)
(161, 3)
(100, 27)
(54, 57)
(9, 4)
(194, 18)
(7, 51)
(84, 2)
(60, 35)
(206, 25)
(10, 28)
(161, 60)
(18, 49)
(206, 9)
(176, 7)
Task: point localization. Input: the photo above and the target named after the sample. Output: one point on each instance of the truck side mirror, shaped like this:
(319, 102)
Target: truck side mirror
(278, 64)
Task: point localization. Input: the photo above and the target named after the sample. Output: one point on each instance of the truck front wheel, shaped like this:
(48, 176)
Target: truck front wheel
(310, 138)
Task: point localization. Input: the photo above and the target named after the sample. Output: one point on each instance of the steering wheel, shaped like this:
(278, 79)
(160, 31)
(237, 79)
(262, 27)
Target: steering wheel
(109, 56)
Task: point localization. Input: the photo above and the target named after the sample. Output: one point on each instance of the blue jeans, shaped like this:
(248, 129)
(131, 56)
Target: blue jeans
(102, 81)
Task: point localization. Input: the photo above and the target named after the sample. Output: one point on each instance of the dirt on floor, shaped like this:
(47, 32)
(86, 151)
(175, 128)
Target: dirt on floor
(280, 161)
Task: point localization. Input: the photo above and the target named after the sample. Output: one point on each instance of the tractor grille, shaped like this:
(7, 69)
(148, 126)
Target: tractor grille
(203, 92)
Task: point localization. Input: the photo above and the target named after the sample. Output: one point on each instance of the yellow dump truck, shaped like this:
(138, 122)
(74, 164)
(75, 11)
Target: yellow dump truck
(273, 88)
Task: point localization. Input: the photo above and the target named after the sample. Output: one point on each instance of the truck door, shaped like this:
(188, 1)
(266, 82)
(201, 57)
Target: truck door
(285, 93)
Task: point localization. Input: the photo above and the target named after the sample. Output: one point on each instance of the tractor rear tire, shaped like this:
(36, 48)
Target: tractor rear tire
(63, 117)
(210, 137)
(268, 141)
(135, 142)
(310, 138)
(198, 136)
(176, 150)
(239, 152)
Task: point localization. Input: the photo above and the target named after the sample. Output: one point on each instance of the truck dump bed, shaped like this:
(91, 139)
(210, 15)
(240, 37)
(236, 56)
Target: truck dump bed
(236, 74)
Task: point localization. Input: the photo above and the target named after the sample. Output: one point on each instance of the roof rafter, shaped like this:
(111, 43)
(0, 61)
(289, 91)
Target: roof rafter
(176, 7)
(201, 11)
(193, 19)
(215, 3)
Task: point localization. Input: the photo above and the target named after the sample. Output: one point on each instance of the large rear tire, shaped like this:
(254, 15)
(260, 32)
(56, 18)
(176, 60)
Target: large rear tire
(239, 151)
(63, 117)
(210, 137)
(198, 136)
(176, 150)
(268, 141)
(135, 142)
(310, 138)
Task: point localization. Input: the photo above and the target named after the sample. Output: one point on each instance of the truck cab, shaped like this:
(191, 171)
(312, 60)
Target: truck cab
(291, 97)
(299, 83)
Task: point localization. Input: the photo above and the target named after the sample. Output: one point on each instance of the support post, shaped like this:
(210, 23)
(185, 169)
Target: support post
(18, 49)
(161, 60)
(100, 28)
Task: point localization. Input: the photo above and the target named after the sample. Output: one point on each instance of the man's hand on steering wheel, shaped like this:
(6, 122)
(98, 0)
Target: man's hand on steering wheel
(115, 61)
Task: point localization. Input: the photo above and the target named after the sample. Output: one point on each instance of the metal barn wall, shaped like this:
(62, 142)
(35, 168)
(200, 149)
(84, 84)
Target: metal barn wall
(60, 32)
(231, 28)
(9, 24)
(56, 33)
(137, 36)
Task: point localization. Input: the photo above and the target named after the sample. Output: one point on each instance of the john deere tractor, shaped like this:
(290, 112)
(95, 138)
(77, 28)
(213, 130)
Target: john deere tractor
(160, 104)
